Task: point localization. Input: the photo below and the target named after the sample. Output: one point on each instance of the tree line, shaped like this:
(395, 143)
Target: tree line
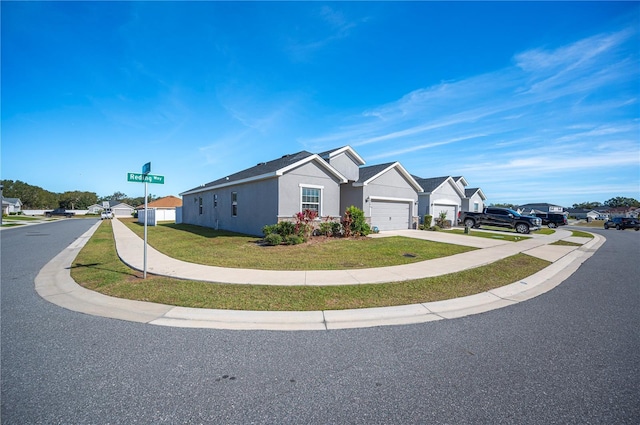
(617, 202)
(37, 198)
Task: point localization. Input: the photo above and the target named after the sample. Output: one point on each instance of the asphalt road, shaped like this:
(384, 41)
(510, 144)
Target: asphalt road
(570, 356)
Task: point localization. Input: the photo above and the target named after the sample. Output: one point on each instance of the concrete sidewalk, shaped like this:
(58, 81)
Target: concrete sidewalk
(55, 284)
(130, 249)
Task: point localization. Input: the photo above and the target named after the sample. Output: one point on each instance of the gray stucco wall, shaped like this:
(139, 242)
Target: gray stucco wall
(446, 193)
(391, 184)
(311, 175)
(346, 165)
(349, 196)
(257, 205)
(467, 204)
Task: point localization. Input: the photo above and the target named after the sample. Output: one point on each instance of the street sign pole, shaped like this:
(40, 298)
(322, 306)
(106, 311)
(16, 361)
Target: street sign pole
(146, 218)
(145, 178)
(146, 169)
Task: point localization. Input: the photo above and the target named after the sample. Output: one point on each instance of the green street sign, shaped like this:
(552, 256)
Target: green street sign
(145, 178)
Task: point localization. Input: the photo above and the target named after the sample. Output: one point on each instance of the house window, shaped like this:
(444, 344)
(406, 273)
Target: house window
(234, 204)
(476, 207)
(200, 205)
(311, 199)
(215, 201)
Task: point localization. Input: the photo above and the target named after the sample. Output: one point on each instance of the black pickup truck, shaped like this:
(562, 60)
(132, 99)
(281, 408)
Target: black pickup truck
(500, 217)
(59, 211)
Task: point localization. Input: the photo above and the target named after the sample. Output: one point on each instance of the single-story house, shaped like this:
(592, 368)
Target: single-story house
(120, 209)
(327, 183)
(440, 195)
(585, 214)
(474, 198)
(632, 212)
(95, 209)
(165, 208)
(544, 207)
(11, 205)
(448, 195)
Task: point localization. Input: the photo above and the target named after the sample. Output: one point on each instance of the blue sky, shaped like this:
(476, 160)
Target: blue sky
(531, 101)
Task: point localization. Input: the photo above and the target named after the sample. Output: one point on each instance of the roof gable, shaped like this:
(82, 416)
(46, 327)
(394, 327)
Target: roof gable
(368, 174)
(327, 155)
(432, 184)
(166, 202)
(468, 193)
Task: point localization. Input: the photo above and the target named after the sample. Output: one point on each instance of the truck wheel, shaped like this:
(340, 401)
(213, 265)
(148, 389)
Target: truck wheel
(469, 223)
(522, 228)
(552, 225)
(618, 227)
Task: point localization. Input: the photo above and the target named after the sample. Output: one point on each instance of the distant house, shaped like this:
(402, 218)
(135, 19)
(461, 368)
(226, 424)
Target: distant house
(585, 214)
(441, 195)
(448, 195)
(95, 209)
(11, 205)
(164, 208)
(537, 208)
(624, 212)
(120, 209)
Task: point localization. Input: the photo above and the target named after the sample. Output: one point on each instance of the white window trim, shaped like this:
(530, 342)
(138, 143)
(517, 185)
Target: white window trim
(312, 186)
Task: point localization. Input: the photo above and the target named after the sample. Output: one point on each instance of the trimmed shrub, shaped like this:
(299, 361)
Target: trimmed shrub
(269, 229)
(427, 220)
(273, 239)
(294, 240)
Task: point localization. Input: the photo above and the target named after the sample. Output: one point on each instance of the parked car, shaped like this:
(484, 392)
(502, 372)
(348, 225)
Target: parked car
(59, 211)
(106, 214)
(501, 217)
(552, 220)
(621, 223)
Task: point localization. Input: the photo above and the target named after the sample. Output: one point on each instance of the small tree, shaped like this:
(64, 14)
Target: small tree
(354, 223)
(304, 222)
(441, 221)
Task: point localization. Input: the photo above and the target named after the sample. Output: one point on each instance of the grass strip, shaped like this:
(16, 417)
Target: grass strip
(565, 243)
(202, 245)
(98, 268)
(490, 235)
(579, 234)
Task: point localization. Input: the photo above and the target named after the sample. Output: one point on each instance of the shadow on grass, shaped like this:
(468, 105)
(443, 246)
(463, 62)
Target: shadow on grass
(205, 232)
(129, 272)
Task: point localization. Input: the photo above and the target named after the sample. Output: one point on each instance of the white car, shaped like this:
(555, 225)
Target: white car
(106, 214)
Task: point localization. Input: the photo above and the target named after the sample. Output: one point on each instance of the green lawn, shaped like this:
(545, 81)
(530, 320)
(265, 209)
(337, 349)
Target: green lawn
(579, 234)
(19, 218)
(507, 236)
(207, 246)
(98, 268)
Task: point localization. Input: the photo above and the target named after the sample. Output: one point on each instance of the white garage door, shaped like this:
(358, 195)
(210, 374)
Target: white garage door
(386, 215)
(449, 209)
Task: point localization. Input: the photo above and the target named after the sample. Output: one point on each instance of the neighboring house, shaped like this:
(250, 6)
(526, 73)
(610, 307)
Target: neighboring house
(584, 214)
(474, 198)
(327, 183)
(440, 195)
(11, 206)
(165, 208)
(387, 194)
(623, 212)
(95, 209)
(120, 209)
(528, 209)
